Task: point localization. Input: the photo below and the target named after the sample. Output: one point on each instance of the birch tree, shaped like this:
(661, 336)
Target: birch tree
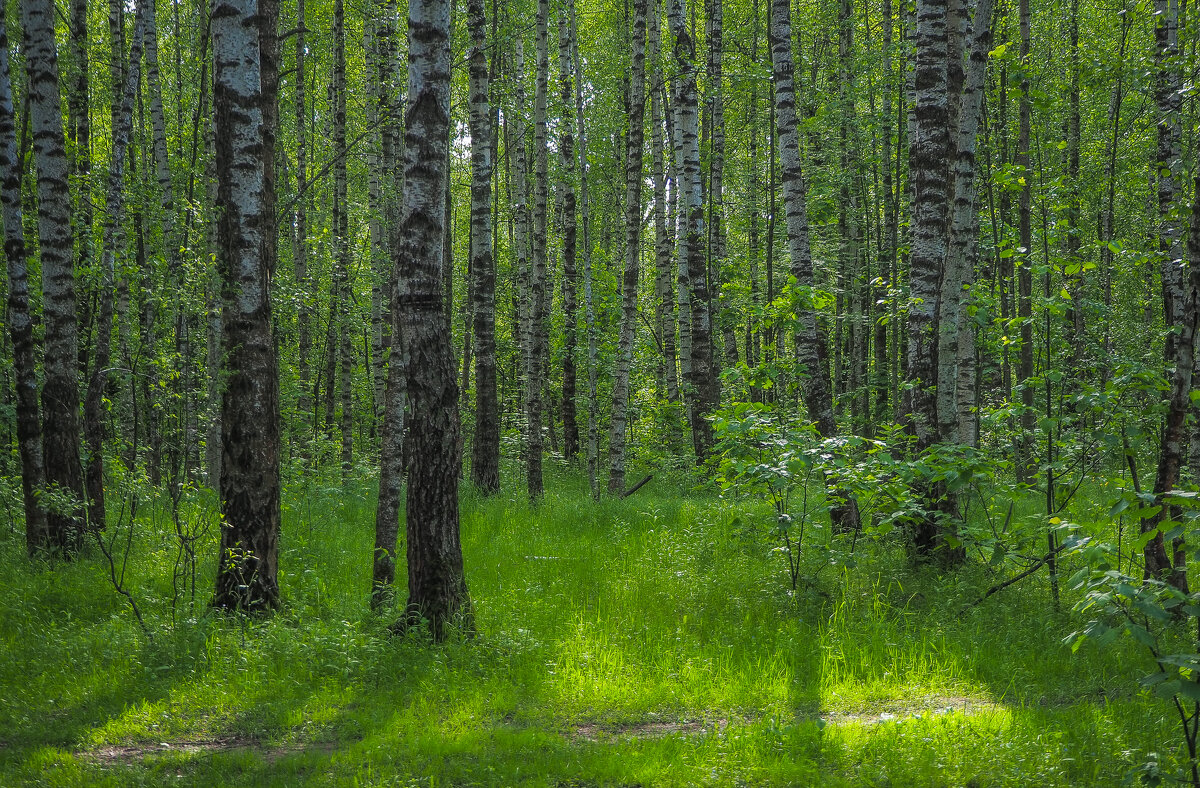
(702, 390)
(567, 208)
(243, 95)
(437, 589)
(20, 319)
(60, 367)
(633, 227)
(810, 342)
(485, 457)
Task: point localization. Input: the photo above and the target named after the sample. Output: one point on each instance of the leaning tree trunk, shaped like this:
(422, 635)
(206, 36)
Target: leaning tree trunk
(243, 97)
(20, 319)
(633, 228)
(703, 388)
(485, 451)
(437, 589)
(811, 345)
(60, 366)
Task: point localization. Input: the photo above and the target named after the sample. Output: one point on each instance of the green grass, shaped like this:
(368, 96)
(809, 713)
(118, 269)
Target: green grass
(650, 641)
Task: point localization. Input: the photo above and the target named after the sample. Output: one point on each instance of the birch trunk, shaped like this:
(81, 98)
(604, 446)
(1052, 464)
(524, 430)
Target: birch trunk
(522, 261)
(93, 404)
(928, 154)
(884, 277)
(702, 389)
(1024, 274)
(243, 96)
(539, 345)
(633, 226)
(956, 340)
(341, 302)
(60, 368)
(437, 589)
(1178, 288)
(395, 401)
(566, 152)
(811, 346)
(715, 33)
(20, 319)
(485, 456)
(664, 293)
(304, 403)
(593, 447)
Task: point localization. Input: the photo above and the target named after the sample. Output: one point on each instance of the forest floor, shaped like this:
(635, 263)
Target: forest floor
(648, 641)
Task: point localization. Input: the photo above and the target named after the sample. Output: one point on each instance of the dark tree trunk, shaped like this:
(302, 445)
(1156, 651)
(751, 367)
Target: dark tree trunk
(20, 319)
(60, 385)
(245, 74)
(437, 589)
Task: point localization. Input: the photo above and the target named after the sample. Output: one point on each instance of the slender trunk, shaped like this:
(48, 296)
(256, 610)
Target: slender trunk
(304, 402)
(376, 365)
(891, 230)
(20, 318)
(754, 344)
(633, 226)
(539, 345)
(485, 452)
(522, 263)
(566, 152)
(395, 399)
(714, 33)
(1185, 295)
(1074, 313)
(664, 295)
(93, 404)
(1107, 213)
(810, 341)
(343, 328)
(1025, 461)
(702, 389)
(593, 447)
(1178, 286)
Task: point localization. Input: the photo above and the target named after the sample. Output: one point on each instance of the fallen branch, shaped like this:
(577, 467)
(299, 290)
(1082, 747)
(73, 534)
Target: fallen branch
(1001, 586)
(637, 486)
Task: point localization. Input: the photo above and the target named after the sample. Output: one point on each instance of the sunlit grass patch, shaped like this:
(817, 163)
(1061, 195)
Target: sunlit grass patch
(646, 641)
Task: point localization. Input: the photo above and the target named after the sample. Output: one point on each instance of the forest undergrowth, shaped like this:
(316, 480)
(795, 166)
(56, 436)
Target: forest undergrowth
(653, 640)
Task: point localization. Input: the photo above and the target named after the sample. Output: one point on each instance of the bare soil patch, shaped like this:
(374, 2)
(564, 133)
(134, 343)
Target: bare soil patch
(131, 753)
